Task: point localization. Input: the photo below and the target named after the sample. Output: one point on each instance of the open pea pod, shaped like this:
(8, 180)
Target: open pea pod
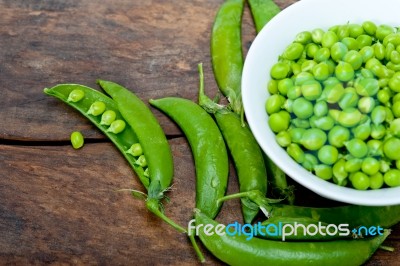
(122, 140)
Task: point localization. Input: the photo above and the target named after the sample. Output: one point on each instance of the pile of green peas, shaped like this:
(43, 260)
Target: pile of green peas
(108, 119)
(335, 104)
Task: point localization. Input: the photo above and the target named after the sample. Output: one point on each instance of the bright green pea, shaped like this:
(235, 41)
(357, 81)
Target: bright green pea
(357, 148)
(375, 147)
(389, 115)
(146, 172)
(302, 77)
(293, 51)
(331, 81)
(360, 181)
(392, 178)
(303, 37)
(313, 139)
(322, 54)
(378, 131)
(394, 82)
(393, 38)
(284, 85)
(317, 35)
(367, 53)
(323, 171)
(395, 57)
(338, 51)
(293, 92)
(385, 166)
(339, 172)
(350, 98)
(97, 108)
(328, 154)
(351, 43)
(311, 90)
(331, 67)
(334, 113)
(324, 123)
(364, 40)
(395, 127)
(344, 71)
(301, 123)
(311, 49)
(135, 150)
(302, 108)
(117, 126)
(378, 115)
(108, 117)
(383, 96)
(280, 70)
(272, 86)
(343, 31)
(274, 103)
(366, 73)
(353, 165)
(310, 161)
(77, 140)
(296, 134)
(349, 117)
(308, 65)
(354, 58)
(75, 95)
(362, 131)
(379, 51)
(355, 30)
(320, 109)
(366, 86)
(382, 31)
(283, 138)
(296, 152)
(370, 166)
(382, 72)
(279, 121)
(338, 135)
(369, 27)
(376, 181)
(328, 39)
(396, 109)
(392, 66)
(288, 105)
(391, 148)
(141, 161)
(396, 97)
(321, 71)
(332, 93)
(366, 104)
(389, 49)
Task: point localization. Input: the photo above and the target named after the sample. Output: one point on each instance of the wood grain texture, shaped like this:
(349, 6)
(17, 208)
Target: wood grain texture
(59, 206)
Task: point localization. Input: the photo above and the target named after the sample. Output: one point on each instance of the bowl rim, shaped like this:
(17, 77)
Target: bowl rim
(380, 197)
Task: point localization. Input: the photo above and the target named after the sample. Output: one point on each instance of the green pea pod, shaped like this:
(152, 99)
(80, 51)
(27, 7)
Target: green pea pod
(122, 140)
(208, 148)
(262, 12)
(226, 52)
(237, 250)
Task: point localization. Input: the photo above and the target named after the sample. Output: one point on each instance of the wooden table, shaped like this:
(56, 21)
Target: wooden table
(59, 205)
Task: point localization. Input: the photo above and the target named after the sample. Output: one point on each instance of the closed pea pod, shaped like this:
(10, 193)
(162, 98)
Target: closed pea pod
(264, 11)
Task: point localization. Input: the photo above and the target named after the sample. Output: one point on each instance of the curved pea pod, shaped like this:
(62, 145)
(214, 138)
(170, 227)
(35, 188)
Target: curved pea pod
(208, 148)
(122, 140)
(226, 51)
(262, 12)
(240, 250)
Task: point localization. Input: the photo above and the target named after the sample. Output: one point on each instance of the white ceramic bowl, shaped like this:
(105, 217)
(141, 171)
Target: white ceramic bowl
(264, 52)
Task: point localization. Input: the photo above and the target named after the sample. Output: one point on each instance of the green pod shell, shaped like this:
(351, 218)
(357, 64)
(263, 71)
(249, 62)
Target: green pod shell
(208, 148)
(262, 12)
(237, 250)
(149, 133)
(247, 157)
(122, 140)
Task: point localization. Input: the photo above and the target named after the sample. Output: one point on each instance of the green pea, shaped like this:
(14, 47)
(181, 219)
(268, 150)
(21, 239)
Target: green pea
(392, 66)
(360, 181)
(343, 31)
(367, 53)
(323, 171)
(294, 92)
(382, 31)
(311, 49)
(288, 105)
(317, 35)
(375, 147)
(350, 98)
(272, 86)
(354, 58)
(364, 40)
(75, 95)
(310, 161)
(353, 165)
(379, 51)
(395, 127)
(332, 93)
(395, 57)
(383, 96)
(393, 38)
(141, 161)
(308, 65)
(280, 70)
(328, 154)
(302, 108)
(117, 126)
(284, 85)
(135, 150)
(302, 77)
(331, 81)
(366, 73)
(376, 181)
(378, 131)
(389, 49)
(77, 140)
(311, 90)
(296, 152)
(283, 138)
(338, 51)
(293, 51)
(366, 86)
(378, 114)
(344, 71)
(322, 54)
(392, 178)
(396, 109)
(303, 37)
(331, 67)
(391, 148)
(97, 108)
(370, 166)
(349, 117)
(389, 115)
(313, 139)
(357, 148)
(369, 27)
(339, 172)
(274, 103)
(362, 131)
(108, 117)
(320, 109)
(324, 123)
(338, 135)
(328, 39)
(394, 82)
(301, 123)
(146, 172)
(366, 104)
(296, 134)
(396, 97)
(279, 121)
(351, 43)
(321, 71)
(356, 30)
